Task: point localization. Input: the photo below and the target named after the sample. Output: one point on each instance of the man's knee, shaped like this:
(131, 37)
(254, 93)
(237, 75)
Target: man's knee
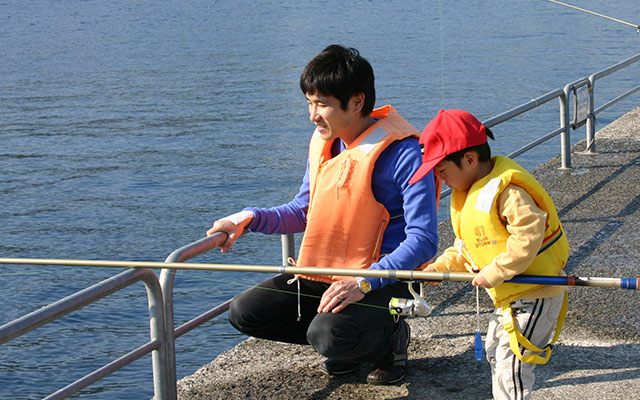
(319, 337)
(336, 337)
(324, 338)
(242, 314)
(235, 315)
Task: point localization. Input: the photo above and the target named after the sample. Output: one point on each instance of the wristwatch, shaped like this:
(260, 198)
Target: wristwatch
(364, 285)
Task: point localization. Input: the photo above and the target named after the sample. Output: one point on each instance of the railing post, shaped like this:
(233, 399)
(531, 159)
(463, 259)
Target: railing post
(167, 278)
(591, 118)
(565, 138)
(158, 331)
(288, 248)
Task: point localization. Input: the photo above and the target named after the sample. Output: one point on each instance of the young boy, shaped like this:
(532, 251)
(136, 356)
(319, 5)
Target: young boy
(505, 224)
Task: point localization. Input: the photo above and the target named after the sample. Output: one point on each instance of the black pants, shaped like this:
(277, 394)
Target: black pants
(361, 332)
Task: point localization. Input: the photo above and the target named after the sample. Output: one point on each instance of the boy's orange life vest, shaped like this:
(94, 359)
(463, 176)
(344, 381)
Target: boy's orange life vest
(345, 223)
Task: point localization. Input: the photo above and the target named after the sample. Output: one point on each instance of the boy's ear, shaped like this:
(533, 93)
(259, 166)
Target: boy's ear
(471, 159)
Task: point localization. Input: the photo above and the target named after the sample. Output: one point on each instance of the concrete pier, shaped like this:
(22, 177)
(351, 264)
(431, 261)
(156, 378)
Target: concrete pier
(597, 356)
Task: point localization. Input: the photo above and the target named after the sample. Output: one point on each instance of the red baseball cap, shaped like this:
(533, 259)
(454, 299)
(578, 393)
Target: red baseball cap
(450, 131)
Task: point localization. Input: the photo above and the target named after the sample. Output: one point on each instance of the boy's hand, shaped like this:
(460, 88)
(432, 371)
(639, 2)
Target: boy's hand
(430, 268)
(480, 280)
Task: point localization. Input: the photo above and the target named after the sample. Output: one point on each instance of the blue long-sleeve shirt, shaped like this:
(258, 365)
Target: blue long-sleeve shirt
(411, 237)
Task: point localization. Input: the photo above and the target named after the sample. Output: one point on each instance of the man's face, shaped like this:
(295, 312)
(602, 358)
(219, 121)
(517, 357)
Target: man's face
(330, 119)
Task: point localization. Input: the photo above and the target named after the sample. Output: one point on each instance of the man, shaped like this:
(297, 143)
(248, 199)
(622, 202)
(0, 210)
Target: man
(357, 210)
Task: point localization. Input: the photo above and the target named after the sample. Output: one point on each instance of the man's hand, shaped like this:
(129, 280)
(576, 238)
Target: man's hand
(233, 225)
(339, 295)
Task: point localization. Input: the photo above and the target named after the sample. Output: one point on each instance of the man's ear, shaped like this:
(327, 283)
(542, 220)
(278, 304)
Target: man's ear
(358, 102)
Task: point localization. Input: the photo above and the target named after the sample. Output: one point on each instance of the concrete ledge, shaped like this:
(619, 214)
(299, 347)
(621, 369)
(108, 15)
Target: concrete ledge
(597, 356)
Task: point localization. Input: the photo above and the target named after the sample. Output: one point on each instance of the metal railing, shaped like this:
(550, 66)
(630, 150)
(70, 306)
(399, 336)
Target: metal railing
(167, 277)
(83, 298)
(566, 124)
(160, 291)
(591, 122)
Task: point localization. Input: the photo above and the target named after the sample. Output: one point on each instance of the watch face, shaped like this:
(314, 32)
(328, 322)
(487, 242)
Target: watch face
(365, 286)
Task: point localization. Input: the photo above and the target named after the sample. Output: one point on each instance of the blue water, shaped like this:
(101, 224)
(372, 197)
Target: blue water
(127, 127)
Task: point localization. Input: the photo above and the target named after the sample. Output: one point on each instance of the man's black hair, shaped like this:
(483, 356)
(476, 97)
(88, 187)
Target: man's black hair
(483, 150)
(340, 72)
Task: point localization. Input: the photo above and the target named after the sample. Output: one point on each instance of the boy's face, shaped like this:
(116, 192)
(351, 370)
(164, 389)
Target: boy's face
(457, 178)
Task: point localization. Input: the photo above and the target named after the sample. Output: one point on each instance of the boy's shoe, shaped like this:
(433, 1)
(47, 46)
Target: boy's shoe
(392, 368)
(339, 367)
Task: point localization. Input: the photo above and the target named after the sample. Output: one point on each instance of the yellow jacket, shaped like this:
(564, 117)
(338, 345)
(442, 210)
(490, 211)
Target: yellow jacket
(506, 224)
(499, 225)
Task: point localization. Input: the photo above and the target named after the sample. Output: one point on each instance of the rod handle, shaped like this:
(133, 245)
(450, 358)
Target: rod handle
(630, 283)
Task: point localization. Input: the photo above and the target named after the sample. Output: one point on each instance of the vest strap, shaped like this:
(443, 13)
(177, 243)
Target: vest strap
(551, 239)
(516, 339)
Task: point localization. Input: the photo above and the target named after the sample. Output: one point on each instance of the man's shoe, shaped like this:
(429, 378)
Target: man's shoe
(392, 368)
(339, 367)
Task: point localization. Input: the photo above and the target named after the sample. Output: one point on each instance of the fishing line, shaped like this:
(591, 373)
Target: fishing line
(193, 275)
(295, 293)
(21, 273)
(598, 14)
(441, 54)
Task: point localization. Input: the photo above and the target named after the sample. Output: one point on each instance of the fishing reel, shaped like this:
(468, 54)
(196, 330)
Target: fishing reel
(416, 307)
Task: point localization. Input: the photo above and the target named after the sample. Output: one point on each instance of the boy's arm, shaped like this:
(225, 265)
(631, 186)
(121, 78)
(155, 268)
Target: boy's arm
(450, 260)
(525, 222)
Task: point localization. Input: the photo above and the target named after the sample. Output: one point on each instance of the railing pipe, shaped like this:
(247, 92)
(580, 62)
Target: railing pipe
(533, 103)
(288, 248)
(162, 380)
(565, 137)
(617, 99)
(107, 370)
(202, 318)
(536, 142)
(167, 278)
(591, 123)
(90, 295)
(615, 67)
(562, 95)
(591, 120)
(67, 305)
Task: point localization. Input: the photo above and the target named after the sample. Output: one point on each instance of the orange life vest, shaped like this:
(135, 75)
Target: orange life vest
(345, 223)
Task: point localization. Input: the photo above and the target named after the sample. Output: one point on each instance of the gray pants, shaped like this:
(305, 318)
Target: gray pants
(536, 320)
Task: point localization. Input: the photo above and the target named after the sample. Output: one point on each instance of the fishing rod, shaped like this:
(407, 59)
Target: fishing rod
(411, 275)
(597, 14)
